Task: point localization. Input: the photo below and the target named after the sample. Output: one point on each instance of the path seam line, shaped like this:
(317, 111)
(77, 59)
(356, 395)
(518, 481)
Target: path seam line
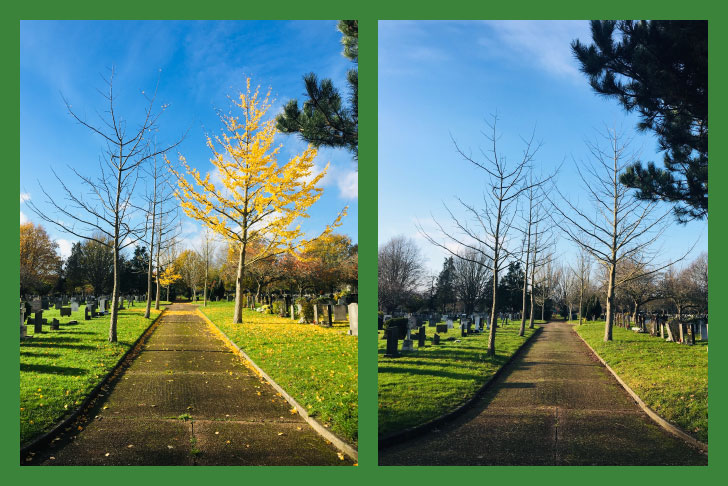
(670, 427)
(337, 441)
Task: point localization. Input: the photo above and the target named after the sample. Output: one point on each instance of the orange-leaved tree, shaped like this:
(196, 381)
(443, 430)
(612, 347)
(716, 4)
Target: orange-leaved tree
(257, 201)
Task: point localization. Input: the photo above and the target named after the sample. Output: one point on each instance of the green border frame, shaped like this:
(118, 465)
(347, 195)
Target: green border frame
(367, 13)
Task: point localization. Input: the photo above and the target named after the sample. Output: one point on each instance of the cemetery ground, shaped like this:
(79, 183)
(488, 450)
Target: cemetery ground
(59, 368)
(672, 379)
(316, 365)
(554, 404)
(187, 398)
(422, 385)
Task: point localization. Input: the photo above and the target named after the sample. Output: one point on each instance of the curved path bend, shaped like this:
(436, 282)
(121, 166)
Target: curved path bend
(187, 399)
(555, 404)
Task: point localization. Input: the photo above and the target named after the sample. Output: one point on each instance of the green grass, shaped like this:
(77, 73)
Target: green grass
(670, 378)
(59, 368)
(422, 385)
(317, 366)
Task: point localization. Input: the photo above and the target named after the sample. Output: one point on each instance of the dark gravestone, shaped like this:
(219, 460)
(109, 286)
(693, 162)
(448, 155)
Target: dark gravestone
(58, 304)
(45, 303)
(436, 339)
(330, 316)
(38, 322)
(392, 333)
(421, 337)
(87, 313)
(441, 328)
(380, 322)
(463, 329)
(65, 312)
(55, 324)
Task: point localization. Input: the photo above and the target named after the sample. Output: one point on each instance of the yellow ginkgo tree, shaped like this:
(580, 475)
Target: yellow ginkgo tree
(256, 201)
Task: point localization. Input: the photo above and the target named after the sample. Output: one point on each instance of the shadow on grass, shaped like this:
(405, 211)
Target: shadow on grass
(31, 354)
(53, 370)
(423, 372)
(54, 344)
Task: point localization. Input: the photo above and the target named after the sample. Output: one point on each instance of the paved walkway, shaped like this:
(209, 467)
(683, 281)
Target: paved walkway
(554, 405)
(187, 399)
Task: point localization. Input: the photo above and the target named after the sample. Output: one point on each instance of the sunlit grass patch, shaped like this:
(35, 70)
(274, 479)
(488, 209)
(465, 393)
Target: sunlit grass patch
(317, 366)
(670, 378)
(422, 385)
(59, 368)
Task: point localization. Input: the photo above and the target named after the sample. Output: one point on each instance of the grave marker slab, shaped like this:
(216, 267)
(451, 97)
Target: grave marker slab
(353, 319)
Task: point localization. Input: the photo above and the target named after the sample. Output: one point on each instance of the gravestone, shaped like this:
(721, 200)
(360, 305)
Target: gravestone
(421, 337)
(315, 313)
(87, 313)
(478, 322)
(55, 324)
(392, 333)
(407, 344)
(23, 327)
(339, 312)
(64, 301)
(441, 328)
(703, 330)
(463, 329)
(36, 306)
(102, 305)
(449, 323)
(58, 304)
(74, 306)
(65, 312)
(45, 303)
(353, 319)
(329, 312)
(38, 322)
(436, 339)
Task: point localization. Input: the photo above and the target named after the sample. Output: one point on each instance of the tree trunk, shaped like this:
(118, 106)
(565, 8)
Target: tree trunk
(114, 297)
(610, 303)
(204, 295)
(493, 314)
(238, 315)
(159, 245)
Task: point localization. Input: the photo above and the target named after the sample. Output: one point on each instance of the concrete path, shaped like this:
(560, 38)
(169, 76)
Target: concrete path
(187, 399)
(554, 405)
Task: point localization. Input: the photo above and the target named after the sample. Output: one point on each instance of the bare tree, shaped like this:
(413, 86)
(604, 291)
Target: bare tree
(621, 226)
(207, 250)
(486, 230)
(400, 269)
(582, 270)
(471, 278)
(109, 209)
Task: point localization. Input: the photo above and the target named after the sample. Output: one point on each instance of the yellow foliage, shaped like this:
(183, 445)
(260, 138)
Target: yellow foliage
(258, 202)
(168, 277)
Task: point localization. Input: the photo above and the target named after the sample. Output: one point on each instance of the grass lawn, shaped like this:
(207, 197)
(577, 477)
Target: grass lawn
(422, 385)
(670, 378)
(59, 368)
(317, 366)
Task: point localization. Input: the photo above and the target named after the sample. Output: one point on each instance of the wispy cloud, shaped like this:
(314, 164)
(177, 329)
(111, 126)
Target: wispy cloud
(23, 218)
(545, 44)
(24, 196)
(64, 247)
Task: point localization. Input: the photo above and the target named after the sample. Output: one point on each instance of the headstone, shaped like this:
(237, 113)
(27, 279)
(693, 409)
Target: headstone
(441, 328)
(102, 305)
(407, 344)
(36, 306)
(392, 333)
(315, 313)
(45, 303)
(353, 319)
(65, 312)
(55, 324)
(436, 339)
(421, 337)
(87, 313)
(449, 323)
(58, 304)
(74, 306)
(380, 322)
(703, 330)
(339, 312)
(463, 329)
(478, 322)
(330, 312)
(38, 322)
(23, 327)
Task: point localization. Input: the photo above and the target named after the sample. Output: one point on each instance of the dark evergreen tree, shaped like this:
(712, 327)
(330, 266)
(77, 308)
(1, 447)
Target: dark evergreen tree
(137, 270)
(510, 288)
(73, 268)
(659, 68)
(592, 308)
(445, 286)
(324, 120)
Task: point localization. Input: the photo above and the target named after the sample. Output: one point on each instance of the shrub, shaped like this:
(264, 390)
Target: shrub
(398, 322)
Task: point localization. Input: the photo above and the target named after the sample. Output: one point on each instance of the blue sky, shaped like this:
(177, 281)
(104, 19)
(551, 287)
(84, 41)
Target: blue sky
(438, 78)
(199, 64)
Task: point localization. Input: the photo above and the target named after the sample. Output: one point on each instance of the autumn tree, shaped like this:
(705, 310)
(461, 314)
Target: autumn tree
(39, 262)
(191, 268)
(258, 200)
